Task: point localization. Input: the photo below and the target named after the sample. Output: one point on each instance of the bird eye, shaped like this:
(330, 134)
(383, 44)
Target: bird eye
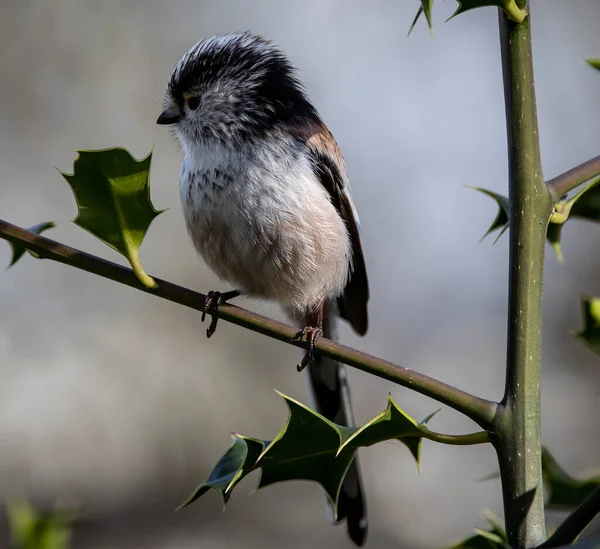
(192, 102)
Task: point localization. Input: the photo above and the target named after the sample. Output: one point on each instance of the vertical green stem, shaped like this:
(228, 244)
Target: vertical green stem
(517, 426)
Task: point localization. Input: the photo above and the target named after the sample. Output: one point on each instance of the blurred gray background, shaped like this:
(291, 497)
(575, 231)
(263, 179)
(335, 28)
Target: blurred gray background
(116, 400)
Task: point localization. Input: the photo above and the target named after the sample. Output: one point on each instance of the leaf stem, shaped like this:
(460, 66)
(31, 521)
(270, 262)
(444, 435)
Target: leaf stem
(563, 209)
(517, 428)
(143, 277)
(565, 182)
(478, 409)
(514, 11)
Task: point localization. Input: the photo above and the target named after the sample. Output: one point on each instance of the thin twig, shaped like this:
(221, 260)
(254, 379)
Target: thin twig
(479, 410)
(565, 182)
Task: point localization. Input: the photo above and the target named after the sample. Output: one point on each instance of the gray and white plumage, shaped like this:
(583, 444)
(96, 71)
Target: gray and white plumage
(266, 201)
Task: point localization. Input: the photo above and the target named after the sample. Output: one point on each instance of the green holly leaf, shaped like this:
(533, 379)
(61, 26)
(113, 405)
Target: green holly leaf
(18, 251)
(553, 236)
(586, 203)
(509, 6)
(595, 63)
(564, 491)
(392, 423)
(112, 192)
(309, 447)
(33, 529)
(494, 538)
(236, 463)
(590, 333)
(501, 220)
(425, 7)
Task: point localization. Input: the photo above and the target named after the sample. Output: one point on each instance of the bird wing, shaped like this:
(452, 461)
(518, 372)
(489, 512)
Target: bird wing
(330, 168)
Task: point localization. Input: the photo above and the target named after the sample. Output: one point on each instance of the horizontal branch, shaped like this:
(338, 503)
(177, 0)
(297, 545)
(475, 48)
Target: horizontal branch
(562, 184)
(572, 527)
(479, 410)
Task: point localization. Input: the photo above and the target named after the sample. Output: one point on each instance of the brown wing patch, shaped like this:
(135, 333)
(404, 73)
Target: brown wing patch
(330, 166)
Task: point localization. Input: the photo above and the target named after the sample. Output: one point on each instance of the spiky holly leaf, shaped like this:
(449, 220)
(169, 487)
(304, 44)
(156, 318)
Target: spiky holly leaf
(553, 236)
(34, 529)
(590, 333)
(501, 220)
(562, 490)
(18, 251)
(586, 203)
(392, 423)
(309, 447)
(493, 538)
(112, 192)
(425, 8)
(236, 463)
(595, 63)
(509, 6)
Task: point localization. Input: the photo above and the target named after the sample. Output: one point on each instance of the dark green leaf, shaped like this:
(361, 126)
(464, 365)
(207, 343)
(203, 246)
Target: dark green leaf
(509, 6)
(563, 491)
(18, 251)
(586, 203)
(309, 447)
(425, 7)
(33, 529)
(112, 192)
(594, 63)
(236, 463)
(553, 235)
(392, 423)
(590, 333)
(501, 220)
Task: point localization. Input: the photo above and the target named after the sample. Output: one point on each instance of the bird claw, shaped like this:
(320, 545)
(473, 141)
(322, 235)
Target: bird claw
(212, 302)
(211, 307)
(311, 334)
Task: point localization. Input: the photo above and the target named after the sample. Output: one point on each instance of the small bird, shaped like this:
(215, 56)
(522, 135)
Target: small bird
(266, 202)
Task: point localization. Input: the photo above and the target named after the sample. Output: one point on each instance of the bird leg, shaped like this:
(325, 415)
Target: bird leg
(312, 334)
(211, 307)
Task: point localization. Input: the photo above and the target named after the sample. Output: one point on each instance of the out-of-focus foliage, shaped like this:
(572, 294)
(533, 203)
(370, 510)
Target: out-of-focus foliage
(564, 491)
(31, 528)
(492, 538)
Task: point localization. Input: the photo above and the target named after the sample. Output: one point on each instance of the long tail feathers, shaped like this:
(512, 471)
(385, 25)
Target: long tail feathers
(330, 396)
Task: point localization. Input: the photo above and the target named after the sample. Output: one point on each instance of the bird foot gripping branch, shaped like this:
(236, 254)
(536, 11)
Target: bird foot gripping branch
(311, 334)
(211, 307)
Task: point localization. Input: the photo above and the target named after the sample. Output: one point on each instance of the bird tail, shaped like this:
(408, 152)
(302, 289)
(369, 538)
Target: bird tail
(330, 396)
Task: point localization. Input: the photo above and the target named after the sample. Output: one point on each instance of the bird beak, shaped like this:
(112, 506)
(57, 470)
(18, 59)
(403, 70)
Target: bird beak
(169, 116)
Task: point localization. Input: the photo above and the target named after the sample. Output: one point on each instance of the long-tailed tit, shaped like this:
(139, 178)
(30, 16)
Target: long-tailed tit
(266, 202)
